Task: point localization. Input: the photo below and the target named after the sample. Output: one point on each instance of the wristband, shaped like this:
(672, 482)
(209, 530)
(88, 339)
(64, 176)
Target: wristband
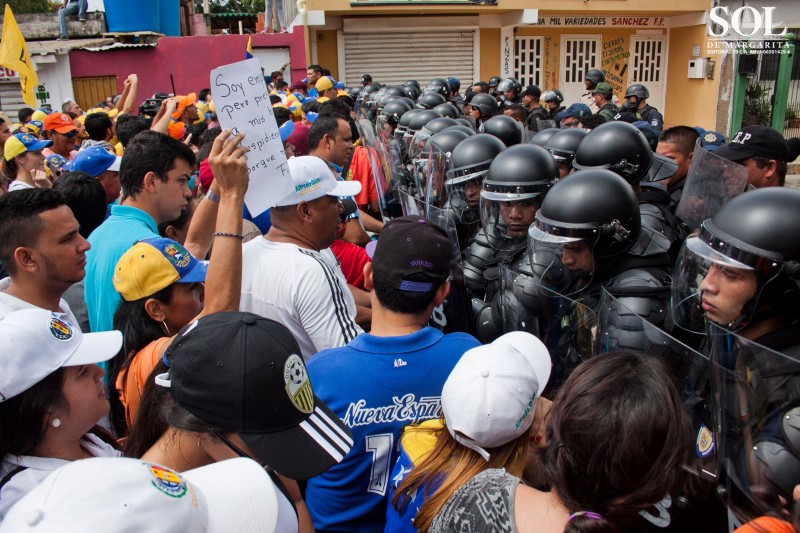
(212, 197)
(223, 234)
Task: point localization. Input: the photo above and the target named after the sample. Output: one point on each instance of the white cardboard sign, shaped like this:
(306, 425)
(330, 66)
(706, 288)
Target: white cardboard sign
(242, 103)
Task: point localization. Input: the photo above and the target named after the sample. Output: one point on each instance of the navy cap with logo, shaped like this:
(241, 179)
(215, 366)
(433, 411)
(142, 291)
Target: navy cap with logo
(532, 90)
(575, 111)
(244, 374)
(755, 140)
(411, 246)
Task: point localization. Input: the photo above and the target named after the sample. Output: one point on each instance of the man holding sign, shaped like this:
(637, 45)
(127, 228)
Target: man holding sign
(290, 275)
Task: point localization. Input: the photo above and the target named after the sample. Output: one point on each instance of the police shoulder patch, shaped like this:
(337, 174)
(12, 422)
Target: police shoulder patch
(705, 441)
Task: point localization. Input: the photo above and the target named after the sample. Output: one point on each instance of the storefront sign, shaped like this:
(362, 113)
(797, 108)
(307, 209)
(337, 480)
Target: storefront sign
(602, 22)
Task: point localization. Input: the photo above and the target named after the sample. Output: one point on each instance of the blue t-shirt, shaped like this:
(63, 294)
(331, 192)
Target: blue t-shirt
(126, 226)
(377, 386)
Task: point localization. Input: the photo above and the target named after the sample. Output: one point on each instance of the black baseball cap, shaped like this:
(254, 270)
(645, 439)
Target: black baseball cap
(532, 90)
(244, 374)
(365, 78)
(407, 246)
(755, 140)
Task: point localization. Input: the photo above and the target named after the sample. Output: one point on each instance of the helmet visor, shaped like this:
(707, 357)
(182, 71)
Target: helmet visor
(506, 217)
(561, 263)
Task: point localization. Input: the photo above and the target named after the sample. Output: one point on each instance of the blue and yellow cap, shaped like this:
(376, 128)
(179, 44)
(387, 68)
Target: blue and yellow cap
(151, 265)
(19, 143)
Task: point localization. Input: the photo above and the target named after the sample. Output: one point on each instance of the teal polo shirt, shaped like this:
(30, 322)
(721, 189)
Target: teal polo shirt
(125, 227)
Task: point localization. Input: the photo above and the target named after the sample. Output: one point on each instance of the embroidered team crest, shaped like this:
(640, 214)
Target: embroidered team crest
(298, 386)
(168, 482)
(710, 137)
(177, 254)
(61, 330)
(705, 441)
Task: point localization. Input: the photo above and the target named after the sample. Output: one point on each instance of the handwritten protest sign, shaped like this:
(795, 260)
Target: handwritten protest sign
(242, 103)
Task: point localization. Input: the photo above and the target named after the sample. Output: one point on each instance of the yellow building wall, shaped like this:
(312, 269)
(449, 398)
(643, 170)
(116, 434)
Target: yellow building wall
(490, 53)
(690, 102)
(327, 51)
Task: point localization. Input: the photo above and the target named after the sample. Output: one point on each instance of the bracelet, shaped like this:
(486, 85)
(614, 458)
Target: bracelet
(223, 234)
(212, 197)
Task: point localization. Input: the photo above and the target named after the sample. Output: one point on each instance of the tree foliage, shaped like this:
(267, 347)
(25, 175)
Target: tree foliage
(30, 6)
(231, 6)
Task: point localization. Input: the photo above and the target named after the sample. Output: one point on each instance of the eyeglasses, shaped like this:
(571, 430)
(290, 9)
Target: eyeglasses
(573, 124)
(70, 134)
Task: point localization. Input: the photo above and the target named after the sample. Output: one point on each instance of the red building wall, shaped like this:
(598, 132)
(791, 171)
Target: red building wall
(189, 60)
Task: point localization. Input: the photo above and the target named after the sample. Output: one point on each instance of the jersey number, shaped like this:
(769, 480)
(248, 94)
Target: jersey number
(381, 448)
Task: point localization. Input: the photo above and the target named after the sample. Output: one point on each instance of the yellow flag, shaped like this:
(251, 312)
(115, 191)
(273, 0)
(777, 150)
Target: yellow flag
(14, 56)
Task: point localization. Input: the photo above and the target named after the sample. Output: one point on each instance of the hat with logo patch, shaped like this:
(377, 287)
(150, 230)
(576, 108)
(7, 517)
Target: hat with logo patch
(116, 494)
(710, 140)
(242, 373)
(37, 342)
(59, 122)
(532, 90)
(755, 140)
(575, 111)
(490, 396)
(19, 143)
(312, 178)
(151, 265)
(95, 160)
(411, 247)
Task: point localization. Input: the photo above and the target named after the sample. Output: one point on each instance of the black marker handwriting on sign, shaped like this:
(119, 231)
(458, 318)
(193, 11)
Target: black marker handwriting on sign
(228, 88)
(230, 108)
(264, 141)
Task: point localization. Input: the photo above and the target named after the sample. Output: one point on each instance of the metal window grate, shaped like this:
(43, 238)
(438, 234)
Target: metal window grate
(580, 56)
(647, 58)
(528, 60)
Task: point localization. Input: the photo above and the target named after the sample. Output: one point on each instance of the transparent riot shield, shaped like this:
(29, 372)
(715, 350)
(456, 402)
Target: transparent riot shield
(621, 328)
(545, 124)
(567, 327)
(436, 189)
(410, 204)
(444, 219)
(758, 425)
(381, 171)
(711, 182)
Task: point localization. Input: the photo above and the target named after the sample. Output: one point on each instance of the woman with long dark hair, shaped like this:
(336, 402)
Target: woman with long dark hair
(24, 163)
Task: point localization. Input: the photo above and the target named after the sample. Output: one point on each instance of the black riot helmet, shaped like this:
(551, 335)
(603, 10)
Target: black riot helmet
(754, 235)
(455, 84)
(509, 85)
(520, 170)
(595, 76)
(438, 86)
(394, 111)
(446, 141)
(419, 120)
(504, 128)
(494, 81)
(371, 88)
(486, 103)
(411, 92)
(543, 136)
(448, 109)
(471, 158)
(638, 90)
(461, 127)
(440, 124)
(596, 206)
(564, 144)
(395, 91)
(616, 146)
(402, 127)
(430, 100)
(512, 192)
(553, 96)
(354, 92)
(467, 123)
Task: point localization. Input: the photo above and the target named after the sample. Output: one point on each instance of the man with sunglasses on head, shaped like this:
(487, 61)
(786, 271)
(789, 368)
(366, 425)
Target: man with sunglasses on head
(59, 128)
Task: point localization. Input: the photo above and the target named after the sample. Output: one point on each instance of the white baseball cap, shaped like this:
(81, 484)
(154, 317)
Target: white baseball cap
(34, 343)
(311, 179)
(490, 396)
(115, 494)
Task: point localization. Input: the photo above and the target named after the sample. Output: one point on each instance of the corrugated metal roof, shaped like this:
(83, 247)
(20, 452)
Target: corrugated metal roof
(233, 15)
(52, 47)
(116, 46)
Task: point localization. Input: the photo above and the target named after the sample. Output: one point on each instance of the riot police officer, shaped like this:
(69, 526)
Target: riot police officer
(512, 192)
(587, 237)
(592, 77)
(510, 89)
(483, 107)
(553, 100)
(505, 128)
(562, 146)
(636, 107)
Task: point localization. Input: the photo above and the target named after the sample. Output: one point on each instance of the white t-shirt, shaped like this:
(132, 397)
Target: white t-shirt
(9, 304)
(18, 185)
(38, 468)
(302, 289)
